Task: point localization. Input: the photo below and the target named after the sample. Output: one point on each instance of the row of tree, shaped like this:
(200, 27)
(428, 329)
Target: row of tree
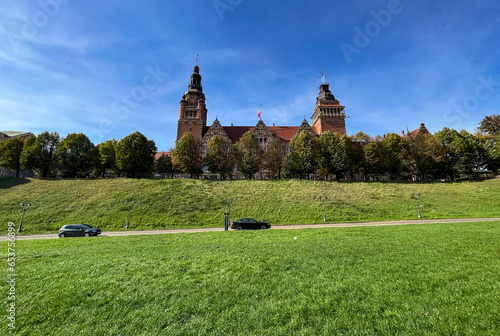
(76, 156)
(448, 154)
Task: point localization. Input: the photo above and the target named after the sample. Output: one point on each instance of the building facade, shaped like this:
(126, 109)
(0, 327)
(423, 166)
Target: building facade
(328, 115)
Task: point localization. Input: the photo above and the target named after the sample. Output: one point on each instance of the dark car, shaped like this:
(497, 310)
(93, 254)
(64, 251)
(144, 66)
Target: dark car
(249, 223)
(78, 230)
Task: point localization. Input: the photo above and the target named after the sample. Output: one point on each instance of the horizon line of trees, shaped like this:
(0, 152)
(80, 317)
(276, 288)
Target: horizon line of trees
(447, 154)
(75, 156)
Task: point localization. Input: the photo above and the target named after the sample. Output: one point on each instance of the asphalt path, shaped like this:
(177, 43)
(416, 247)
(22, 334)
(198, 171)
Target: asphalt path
(276, 227)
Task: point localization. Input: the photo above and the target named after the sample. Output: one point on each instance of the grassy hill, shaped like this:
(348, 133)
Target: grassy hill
(183, 203)
(347, 281)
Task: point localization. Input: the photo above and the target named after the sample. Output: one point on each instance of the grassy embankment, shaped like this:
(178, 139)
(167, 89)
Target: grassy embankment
(194, 203)
(433, 279)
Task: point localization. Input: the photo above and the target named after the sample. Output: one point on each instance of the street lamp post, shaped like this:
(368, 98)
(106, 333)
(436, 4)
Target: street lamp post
(324, 199)
(416, 200)
(130, 206)
(228, 203)
(24, 207)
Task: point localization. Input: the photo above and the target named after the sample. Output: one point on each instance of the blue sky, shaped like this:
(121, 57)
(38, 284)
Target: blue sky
(110, 68)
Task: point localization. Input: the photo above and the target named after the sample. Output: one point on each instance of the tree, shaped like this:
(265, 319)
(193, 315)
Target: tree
(274, 157)
(39, 153)
(10, 154)
(490, 125)
(333, 155)
(248, 155)
(464, 153)
(219, 158)
(426, 155)
(373, 158)
(135, 155)
(395, 155)
(186, 156)
(304, 155)
(494, 154)
(357, 163)
(76, 155)
(164, 165)
(491, 144)
(447, 137)
(107, 157)
(471, 154)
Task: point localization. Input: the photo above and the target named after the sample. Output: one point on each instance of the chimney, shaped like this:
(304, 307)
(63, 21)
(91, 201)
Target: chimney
(231, 124)
(403, 133)
(274, 125)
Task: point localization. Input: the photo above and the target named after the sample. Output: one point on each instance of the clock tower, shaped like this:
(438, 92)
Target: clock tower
(192, 109)
(328, 114)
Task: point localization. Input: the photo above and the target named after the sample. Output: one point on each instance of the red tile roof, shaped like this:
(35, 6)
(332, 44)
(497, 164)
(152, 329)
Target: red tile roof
(286, 133)
(414, 133)
(159, 154)
(236, 132)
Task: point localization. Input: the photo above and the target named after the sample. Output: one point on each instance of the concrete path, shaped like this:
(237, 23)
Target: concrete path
(276, 227)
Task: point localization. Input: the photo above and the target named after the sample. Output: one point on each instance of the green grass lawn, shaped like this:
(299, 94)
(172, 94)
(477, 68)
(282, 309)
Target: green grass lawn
(195, 203)
(433, 279)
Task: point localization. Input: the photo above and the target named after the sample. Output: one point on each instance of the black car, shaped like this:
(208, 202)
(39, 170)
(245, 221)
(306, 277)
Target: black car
(249, 223)
(78, 230)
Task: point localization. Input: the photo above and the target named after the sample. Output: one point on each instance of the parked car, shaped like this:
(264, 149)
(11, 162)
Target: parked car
(78, 230)
(249, 223)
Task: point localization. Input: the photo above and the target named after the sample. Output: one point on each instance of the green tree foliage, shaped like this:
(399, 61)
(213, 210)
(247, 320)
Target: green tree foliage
(374, 159)
(219, 158)
(107, 157)
(494, 154)
(490, 125)
(491, 144)
(76, 156)
(39, 154)
(448, 139)
(303, 158)
(355, 156)
(333, 161)
(186, 156)
(135, 155)
(164, 165)
(395, 151)
(426, 156)
(10, 154)
(464, 153)
(274, 158)
(248, 155)
(472, 155)
(357, 163)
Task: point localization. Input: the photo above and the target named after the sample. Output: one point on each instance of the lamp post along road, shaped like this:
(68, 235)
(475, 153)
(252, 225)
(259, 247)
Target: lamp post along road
(24, 207)
(416, 200)
(130, 206)
(228, 203)
(324, 199)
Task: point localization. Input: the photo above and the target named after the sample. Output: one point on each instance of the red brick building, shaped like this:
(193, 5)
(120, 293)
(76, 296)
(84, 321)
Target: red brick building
(328, 115)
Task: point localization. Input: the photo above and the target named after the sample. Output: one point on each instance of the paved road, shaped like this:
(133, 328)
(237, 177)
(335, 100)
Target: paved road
(280, 227)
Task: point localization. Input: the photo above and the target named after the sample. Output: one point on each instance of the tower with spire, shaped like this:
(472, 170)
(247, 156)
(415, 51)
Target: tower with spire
(193, 110)
(328, 114)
